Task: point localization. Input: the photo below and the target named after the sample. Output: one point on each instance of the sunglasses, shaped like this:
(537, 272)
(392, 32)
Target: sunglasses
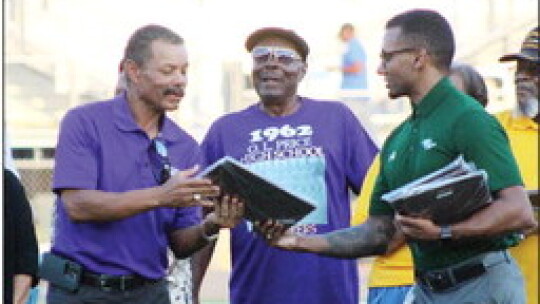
(283, 56)
(161, 165)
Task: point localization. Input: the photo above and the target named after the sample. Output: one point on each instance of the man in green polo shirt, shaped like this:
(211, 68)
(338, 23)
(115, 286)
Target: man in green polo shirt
(465, 262)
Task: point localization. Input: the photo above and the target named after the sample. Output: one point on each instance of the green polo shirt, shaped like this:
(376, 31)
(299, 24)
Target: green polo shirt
(443, 125)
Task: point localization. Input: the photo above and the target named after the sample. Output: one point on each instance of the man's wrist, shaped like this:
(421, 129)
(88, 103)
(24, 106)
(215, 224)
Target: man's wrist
(209, 230)
(446, 232)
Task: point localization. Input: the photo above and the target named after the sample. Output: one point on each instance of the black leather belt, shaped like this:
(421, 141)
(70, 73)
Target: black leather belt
(111, 282)
(440, 280)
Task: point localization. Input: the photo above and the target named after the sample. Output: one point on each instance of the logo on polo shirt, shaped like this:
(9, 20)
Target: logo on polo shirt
(428, 144)
(392, 156)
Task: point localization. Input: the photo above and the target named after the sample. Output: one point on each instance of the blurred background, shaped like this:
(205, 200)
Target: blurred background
(62, 53)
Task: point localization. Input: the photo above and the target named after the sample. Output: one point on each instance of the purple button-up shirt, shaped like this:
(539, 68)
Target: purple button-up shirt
(100, 147)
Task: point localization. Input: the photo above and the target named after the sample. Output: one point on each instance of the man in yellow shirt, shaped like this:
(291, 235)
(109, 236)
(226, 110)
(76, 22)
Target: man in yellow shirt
(392, 275)
(521, 125)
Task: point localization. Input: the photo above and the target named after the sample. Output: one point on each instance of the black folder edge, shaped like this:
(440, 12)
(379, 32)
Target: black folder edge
(452, 174)
(438, 178)
(227, 160)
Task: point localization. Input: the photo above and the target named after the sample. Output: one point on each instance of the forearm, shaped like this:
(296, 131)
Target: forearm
(94, 205)
(370, 238)
(187, 241)
(199, 264)
(21, 288)
(511, 211)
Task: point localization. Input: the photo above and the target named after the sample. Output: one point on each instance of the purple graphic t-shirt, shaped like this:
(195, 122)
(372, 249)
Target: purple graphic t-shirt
(319, 152)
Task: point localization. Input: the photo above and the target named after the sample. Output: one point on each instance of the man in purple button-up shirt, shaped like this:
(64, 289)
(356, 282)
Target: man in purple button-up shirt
(124, 177)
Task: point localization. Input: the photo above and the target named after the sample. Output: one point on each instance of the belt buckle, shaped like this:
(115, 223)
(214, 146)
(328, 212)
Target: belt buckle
(438, 280)
(103, 283)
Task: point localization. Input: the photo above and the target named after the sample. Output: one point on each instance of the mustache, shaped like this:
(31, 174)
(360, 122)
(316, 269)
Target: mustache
(178, 91)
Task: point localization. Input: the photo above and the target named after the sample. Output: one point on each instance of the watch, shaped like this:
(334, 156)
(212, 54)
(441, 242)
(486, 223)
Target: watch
(211, 237)
(446, 232)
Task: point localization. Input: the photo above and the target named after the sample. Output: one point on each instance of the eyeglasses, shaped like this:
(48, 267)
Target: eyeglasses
(387, 56)
(284, 56)
(161, 165)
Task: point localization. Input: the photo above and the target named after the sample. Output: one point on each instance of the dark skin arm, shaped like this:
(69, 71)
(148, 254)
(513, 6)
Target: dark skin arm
(510, 211)
(227, 213)
(199, 265)
(377, 235)
(178, 191)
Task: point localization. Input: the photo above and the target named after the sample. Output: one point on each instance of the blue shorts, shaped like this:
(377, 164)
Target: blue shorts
(387, 295)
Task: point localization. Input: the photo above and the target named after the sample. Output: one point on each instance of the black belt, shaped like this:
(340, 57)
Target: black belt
(440, 280)
(112, 282)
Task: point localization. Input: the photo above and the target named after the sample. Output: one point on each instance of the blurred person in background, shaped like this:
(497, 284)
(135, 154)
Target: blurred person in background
(521, 125)
(354, 83)
(467, 79)
(315, 149)
(464, 262)
(392, 275)
(122, 199)
(353, 62)
(20, 244)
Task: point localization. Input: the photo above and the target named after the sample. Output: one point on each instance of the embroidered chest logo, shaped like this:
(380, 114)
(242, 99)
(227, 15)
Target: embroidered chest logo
(392, 156)
(428, 144)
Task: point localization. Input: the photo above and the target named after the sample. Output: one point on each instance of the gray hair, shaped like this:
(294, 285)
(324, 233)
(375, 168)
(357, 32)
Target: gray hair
(138, 47)
(473, 82)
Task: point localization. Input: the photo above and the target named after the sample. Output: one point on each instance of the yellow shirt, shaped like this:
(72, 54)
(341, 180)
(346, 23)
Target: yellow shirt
(395, 269)
(523, 135)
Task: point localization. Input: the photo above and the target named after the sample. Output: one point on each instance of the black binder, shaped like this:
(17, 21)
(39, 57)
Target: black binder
(264, 199)
(448, 195)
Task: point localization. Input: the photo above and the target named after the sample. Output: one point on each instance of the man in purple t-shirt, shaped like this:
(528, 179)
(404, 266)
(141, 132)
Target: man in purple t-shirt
(121, 197)
(315, 149)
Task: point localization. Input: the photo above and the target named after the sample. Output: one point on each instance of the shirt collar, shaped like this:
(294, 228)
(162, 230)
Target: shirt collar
(124, 120)
(519, 122)
(432, 99)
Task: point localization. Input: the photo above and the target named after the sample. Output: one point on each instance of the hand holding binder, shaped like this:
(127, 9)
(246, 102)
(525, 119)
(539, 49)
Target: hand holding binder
(445, 196)
(264, 200)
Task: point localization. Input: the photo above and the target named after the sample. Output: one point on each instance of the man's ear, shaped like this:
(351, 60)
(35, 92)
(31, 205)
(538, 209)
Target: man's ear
(132, 70)
(302, 71)
(421, 59)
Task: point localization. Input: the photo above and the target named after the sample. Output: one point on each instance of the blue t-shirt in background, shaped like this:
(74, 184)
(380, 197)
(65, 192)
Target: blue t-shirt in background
(354, 53)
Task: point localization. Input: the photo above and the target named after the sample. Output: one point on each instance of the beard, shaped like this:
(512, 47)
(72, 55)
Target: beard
(527, 97)
(528, 107)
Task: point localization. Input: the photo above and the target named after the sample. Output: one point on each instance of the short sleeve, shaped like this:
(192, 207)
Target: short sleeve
(211, 146)
(361, 205)
(482, 140)
(76, 154)
(355, 53)
(360, 151)
(187, 217)
(376, 205)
